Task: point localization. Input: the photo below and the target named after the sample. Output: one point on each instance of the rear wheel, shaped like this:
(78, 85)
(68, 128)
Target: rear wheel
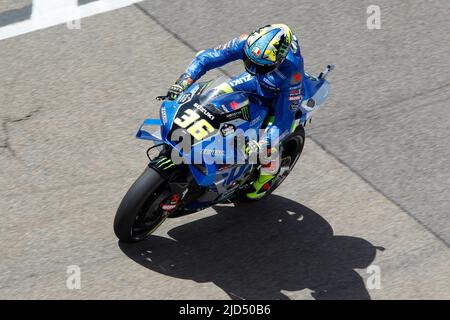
(139, 214)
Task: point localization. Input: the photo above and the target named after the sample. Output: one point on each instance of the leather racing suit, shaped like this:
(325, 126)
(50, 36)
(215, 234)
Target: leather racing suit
(281, 90)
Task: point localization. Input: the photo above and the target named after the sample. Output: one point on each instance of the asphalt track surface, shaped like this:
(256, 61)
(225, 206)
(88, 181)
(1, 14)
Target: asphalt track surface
(371, 190)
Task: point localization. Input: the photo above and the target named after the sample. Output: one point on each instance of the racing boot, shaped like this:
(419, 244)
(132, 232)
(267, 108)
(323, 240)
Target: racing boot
(266, 176)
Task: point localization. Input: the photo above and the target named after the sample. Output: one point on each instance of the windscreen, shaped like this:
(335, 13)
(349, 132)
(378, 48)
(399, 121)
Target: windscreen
(220, 94)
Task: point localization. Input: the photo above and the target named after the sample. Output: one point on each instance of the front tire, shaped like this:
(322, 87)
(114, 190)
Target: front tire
(293, 147)
(139, 213)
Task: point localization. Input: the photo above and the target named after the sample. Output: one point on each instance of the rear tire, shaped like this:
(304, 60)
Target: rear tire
(139, 213)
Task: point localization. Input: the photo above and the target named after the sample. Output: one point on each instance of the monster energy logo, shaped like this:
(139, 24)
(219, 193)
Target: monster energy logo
(164, 163)
(245, 113)
(284, 45)
(242, 113)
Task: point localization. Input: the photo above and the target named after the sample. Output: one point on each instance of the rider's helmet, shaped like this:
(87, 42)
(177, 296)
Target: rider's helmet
(266, 48)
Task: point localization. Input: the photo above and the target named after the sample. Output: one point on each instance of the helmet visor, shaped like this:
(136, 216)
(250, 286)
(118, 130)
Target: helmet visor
(254, 68)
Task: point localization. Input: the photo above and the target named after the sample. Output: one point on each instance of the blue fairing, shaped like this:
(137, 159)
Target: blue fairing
(208, 174)
(168, 112)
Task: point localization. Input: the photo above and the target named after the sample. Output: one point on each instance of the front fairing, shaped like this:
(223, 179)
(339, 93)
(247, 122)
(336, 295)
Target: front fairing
(216, 166)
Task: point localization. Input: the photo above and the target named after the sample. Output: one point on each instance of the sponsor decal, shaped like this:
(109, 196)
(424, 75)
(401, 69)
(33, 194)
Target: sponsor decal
(233, 115)
(194, 125)
(185, 97)
(172, 203)
(204, 111)
(168, 207)
(164, 163)
(255, 121)
(234, 105)
(227, 129)
(295, 94)
(245, 113)
(241, 80)
(296, 78)
(163, 115)
(242, 113)
(225, 109)
(256, 51)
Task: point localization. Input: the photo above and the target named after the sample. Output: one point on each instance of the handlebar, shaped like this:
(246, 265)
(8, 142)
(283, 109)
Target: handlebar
(162, 98)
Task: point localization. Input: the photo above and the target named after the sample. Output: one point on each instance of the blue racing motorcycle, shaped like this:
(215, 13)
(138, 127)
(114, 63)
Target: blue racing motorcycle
(199, 152)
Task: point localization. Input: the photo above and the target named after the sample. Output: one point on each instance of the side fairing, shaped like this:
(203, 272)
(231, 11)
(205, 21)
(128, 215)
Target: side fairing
(230, 115)
(214, 160)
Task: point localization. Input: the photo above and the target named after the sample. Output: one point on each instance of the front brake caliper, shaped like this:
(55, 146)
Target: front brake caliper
(171, 203)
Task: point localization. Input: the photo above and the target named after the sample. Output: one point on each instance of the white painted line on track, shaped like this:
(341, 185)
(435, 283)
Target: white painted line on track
(47, 14)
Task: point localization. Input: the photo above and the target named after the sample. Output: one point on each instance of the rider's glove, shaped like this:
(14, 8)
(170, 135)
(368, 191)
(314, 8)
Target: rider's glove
(174, 91)
(183, 82)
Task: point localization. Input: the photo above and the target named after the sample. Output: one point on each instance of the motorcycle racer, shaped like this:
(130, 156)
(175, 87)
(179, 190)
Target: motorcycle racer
(273, 69)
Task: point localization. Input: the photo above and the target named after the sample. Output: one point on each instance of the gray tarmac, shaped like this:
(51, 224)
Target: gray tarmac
(371, 191)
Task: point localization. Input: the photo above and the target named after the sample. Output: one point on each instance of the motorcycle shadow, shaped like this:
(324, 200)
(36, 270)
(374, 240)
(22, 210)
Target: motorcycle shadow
(256, 250)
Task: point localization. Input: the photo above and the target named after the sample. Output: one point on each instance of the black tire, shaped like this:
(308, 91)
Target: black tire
(292, 147)
(140, 204)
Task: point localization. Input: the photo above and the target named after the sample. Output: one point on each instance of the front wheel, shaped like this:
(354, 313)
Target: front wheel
(139, 213)
(292, 149)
